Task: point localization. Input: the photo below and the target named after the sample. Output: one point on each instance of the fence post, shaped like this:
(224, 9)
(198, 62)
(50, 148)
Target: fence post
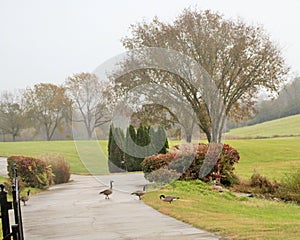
(17, 205)
(15, 230)
(5, 206)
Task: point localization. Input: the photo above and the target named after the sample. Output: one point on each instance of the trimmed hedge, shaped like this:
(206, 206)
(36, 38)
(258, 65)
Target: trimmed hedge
(32, 172)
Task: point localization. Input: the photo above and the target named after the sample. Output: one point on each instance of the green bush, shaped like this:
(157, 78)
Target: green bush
(32, 172)
(123, 150)
(115, 152)
(60, 167)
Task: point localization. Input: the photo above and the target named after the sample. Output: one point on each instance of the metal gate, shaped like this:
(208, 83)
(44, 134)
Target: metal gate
(14, 231)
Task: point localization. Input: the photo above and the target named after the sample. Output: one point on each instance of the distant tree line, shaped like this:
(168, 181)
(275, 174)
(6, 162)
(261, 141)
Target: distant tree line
(286, 104)
(47, 111)
(50, 109)
(239, 60)
(124, 149)
(47, 108)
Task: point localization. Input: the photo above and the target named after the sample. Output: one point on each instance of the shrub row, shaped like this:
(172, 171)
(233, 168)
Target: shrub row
(37, 173)
(190, 160)
(32, 171)
(288, 189)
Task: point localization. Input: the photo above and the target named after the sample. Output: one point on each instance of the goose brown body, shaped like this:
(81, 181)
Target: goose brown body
(169, 199)
(139, 193)
(24, 199)
(108, 191)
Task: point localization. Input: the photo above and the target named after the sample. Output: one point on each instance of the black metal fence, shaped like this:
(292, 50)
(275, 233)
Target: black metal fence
(14, 231)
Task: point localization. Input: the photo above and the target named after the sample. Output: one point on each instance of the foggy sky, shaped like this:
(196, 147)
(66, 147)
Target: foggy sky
(49, 40)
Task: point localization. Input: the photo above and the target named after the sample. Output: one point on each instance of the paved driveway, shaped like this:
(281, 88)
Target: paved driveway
(76, 211)
(3, 167)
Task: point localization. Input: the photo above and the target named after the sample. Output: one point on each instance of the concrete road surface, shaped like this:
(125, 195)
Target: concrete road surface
(76, 211)
(3, 167)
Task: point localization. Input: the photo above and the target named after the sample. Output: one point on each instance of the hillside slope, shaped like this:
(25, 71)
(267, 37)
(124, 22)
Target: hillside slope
(288, 126)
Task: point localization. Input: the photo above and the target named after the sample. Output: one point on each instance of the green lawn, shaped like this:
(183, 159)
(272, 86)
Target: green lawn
(2, 179)
(230, 216)
(288, 126)
(67, 148)
(224, 213)
(237, 218)
(270, 157)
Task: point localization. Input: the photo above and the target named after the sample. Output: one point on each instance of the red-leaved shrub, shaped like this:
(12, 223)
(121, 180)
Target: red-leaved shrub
(189, 159)
(155, 162)
(32, 171)
(163, 175)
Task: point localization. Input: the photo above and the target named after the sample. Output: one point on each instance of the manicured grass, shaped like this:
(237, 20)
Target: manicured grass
(269, 157)
(230, 216)
(3, 179)
(237, 218)
(68, 149)
(288, 126)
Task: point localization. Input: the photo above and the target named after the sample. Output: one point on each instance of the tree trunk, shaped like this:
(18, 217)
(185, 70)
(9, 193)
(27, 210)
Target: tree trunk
(188, 138)
(48, 137)
(208, 135)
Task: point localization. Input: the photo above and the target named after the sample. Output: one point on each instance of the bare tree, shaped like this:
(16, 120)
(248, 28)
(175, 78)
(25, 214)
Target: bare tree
(89, 101)
(240, 59)
(47, 106)
(11, 114)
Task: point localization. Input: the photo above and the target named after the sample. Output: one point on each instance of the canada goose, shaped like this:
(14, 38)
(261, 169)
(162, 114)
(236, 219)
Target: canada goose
(108, 191)
(24, 199)
(168, 198)
(140, 193)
